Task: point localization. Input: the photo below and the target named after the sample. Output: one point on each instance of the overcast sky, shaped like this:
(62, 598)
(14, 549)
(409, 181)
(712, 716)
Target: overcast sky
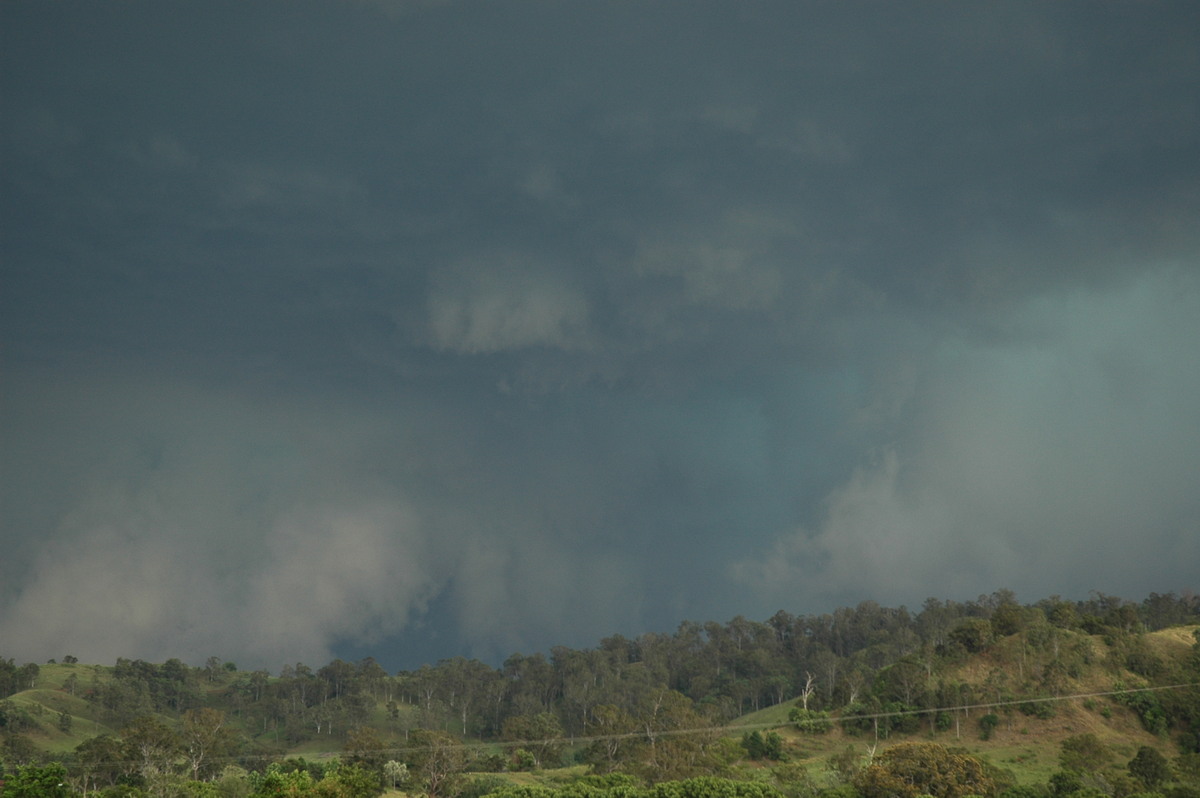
(417, 328)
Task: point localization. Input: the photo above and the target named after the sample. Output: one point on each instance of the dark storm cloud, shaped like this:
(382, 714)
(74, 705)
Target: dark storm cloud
(485, 326)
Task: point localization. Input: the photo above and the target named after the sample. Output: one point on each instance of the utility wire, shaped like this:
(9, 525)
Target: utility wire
(712, 730)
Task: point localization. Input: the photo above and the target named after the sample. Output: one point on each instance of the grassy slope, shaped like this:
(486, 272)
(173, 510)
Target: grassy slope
(1025, 745)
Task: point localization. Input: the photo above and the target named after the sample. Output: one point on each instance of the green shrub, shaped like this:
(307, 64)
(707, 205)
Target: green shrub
(810, 721)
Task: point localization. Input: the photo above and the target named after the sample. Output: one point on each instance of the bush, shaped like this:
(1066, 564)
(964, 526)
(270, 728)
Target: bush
(858, 718)
(488, 763)
(763, 746)
(1042, 710)
(1148, 708)
(1150, 767)
(522, 759)
(31, 780)
(973, 634)
(910, 770)
(810, 721)
(1084, 753)
(1063, 784)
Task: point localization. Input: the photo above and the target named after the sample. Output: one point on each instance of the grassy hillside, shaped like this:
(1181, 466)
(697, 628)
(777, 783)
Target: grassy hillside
(1026, 745)
(65, 707)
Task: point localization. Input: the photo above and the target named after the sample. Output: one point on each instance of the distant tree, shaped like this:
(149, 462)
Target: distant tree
(258, 682)
(711, 787)
(205, 737)
(365, 747)
(372, 678)
(763, 746)
(277, 780)
(27, 675)
(1059, 612)
(810, 686)
(912, 769)
(845, 764)
(973, 634)
(233, 782)
(396, 773)
(532, 684)
(437, 760)
(1083, 753)
(541, 734)
(8, 675)
(468, 681)
(350, 781)
(153, 748)
(1149, 709)
(987, 725)
(610, 726)
(810, 721)
(33, 781)
(175, 670)
(339, 675)
(1150, 767)
(1187, 765)
(17, 749)
(101, 761)
(1161, 611)
(1063, 783)
(1008, 619)
(677, 742)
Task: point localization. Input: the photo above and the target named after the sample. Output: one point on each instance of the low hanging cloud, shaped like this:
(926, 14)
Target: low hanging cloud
(350, 574)
(199, 521)
(1061, 458)
(213, 527)
(359, 573)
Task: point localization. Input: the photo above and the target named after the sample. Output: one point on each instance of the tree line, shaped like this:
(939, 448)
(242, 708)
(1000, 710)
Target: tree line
(649, 706)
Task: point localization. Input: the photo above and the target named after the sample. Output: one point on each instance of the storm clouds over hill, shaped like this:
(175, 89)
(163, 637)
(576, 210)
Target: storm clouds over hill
(428, 328)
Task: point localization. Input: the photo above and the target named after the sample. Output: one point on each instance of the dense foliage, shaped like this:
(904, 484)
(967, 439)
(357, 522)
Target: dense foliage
(648, 709)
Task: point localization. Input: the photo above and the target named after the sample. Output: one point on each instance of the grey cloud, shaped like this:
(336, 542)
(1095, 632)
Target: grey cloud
(504, 304)
(1053, 460)
(551, 312)
(360, 572)
(200, 520)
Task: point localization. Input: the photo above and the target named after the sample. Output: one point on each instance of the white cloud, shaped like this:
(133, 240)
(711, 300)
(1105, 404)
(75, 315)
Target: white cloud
(337, 573)
(112, 593)
(1060, 462)
(135, 590)
(192, 521)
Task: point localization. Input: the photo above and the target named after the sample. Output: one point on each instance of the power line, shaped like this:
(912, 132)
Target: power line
(989, 705)
(710, 730)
